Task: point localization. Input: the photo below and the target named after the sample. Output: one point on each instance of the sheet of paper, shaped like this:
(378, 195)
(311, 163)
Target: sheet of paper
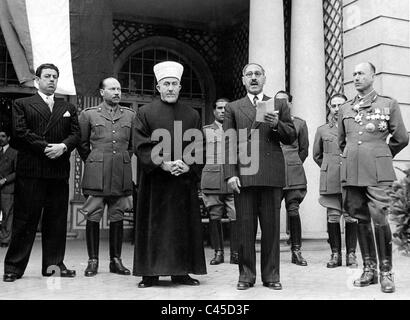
(263, 107)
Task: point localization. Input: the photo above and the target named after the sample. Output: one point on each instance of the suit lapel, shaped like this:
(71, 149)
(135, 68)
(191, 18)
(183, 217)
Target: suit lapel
(248, 109)
(41, 107)
(58, 111)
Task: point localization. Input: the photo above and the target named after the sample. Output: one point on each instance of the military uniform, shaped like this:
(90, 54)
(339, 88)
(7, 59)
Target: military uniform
(8, 161)
(367, 174)
(295, 190)
(106, 149)
(326, 153)
(217, 195)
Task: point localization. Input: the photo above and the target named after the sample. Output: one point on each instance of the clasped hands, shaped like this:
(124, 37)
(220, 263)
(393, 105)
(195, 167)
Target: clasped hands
(54, 150)
(272, 119)
(176, 167)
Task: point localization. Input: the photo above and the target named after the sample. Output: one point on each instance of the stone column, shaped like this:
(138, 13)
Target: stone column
(267, 42)
(308, 87)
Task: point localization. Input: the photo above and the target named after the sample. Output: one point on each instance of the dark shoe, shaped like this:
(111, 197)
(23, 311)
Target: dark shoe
(64, 273)
(186, 280)
(234, 258)
(148, 282)
(351, 260)
(10, 277)
(242, 285)
(117, 267)
(92, 268)
(335, 260)
(273, 285)
(387, 282)
(218, 258)
(297, 258)
(67, 273)
(368, 277)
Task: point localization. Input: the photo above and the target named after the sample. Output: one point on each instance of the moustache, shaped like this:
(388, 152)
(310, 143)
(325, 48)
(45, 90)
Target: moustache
(254, 82)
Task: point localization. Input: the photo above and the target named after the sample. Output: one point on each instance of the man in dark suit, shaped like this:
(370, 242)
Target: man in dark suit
(44, 132)
(8, 157)
(257, 194)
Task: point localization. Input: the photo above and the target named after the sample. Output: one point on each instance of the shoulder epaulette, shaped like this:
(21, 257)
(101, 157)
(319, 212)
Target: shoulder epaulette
(90, 108)
(387, 97)
(127, 108)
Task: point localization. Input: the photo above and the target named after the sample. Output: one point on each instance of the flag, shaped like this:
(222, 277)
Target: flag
(75, 35)
(42, 30)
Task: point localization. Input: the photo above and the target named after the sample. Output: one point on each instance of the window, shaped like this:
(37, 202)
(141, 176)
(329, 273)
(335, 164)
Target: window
(137, 75)
(7, 74)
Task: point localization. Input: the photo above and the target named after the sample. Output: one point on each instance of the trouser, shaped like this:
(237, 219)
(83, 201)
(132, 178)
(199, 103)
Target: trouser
(293, 199)
(34, 196)
(93, 207)
(263, 203)
(6, 206)
(370, 204)
(216, 205)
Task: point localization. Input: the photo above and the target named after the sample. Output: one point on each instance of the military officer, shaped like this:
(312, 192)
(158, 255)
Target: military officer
(367, 171)
(326, 154)
(106, 149)
(295, 190)
(217, 196)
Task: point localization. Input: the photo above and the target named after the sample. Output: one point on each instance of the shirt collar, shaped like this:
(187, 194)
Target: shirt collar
(260, 96)
(44, 96)
(218, 124)
(371, 96)
(5, 148)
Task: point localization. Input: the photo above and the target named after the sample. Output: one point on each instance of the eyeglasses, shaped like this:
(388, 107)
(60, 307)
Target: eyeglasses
(257, 74)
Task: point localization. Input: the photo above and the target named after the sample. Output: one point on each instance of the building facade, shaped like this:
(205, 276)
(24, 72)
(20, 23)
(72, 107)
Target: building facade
(308, 47)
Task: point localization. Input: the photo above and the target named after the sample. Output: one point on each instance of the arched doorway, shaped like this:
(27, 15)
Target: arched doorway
(134, 69)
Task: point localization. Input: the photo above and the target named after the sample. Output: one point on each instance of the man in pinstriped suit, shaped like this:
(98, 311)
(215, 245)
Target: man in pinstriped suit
(258, 195)
(44, 132)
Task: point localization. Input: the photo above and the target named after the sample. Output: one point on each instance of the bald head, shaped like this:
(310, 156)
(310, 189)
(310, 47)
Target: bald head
(110, 90)
(363, 77)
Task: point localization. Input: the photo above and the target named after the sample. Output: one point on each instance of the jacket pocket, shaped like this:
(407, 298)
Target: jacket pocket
(295, 174)
(99, 129)
(323, 177)
(211, 177)
(125, 130)
(127, 173)
(384, 167)
(93, 178)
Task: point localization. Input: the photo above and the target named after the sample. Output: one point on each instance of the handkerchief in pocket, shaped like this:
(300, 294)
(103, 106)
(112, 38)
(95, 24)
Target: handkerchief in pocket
(66, 114)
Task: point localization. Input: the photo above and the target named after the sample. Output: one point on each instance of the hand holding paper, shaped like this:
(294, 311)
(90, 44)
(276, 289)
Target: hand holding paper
(265, 112)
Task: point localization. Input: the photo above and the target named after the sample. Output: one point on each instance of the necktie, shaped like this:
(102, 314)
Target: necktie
(255, 99)
(1, 152)
(50, 103)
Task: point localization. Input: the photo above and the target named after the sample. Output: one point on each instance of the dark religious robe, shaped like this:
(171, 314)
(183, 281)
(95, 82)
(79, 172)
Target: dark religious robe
(168, 231)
